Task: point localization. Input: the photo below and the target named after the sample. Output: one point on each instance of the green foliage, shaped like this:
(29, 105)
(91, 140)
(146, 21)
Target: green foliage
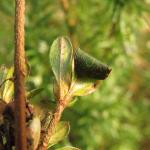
(61, 60)
(60, 132)
(33, 93)
(6, 84)
(81, 88)
(68, 148)
(116, 116)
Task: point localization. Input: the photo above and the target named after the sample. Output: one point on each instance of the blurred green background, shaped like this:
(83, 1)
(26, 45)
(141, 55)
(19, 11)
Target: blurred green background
(117, 32)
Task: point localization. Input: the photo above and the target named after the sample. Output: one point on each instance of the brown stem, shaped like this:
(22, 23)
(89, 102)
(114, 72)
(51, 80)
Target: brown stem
(56, 117)
(19, 73)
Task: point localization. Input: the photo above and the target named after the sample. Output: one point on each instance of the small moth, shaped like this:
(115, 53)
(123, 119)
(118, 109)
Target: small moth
(87, 67)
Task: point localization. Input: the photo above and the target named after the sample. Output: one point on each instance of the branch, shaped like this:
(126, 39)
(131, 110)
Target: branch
(61, 104)
(56, 118)
(19, 73)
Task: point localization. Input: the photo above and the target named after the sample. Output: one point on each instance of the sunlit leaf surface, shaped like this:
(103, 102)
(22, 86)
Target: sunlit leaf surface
(59, 133)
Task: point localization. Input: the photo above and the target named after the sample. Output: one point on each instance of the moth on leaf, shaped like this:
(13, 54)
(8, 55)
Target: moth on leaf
(76, 73)
(88, 72)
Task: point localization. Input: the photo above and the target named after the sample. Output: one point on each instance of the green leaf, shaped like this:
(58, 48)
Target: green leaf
(87, 67)
(82, 88)
(61, 60)
(34, 92)
(60, 132)
(68, 148)
(2, 73)
(72, 102)
(2, 78)
(8, 90)
(56, 90)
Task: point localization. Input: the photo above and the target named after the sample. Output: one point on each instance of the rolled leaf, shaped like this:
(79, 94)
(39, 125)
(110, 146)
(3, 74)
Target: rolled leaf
(87, 67)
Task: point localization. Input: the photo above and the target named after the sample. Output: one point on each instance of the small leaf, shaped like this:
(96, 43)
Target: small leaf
(72, 102)
(87, 67)
(34, 92)
(8, 89)
(82, 88)
(60, 132)
(2, 78)
(68, 148)
(34, 127)
(2, 73)
(61, 60)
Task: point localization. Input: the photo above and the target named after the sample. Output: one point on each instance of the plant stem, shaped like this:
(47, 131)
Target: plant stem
(19, 73)
(56, 117)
